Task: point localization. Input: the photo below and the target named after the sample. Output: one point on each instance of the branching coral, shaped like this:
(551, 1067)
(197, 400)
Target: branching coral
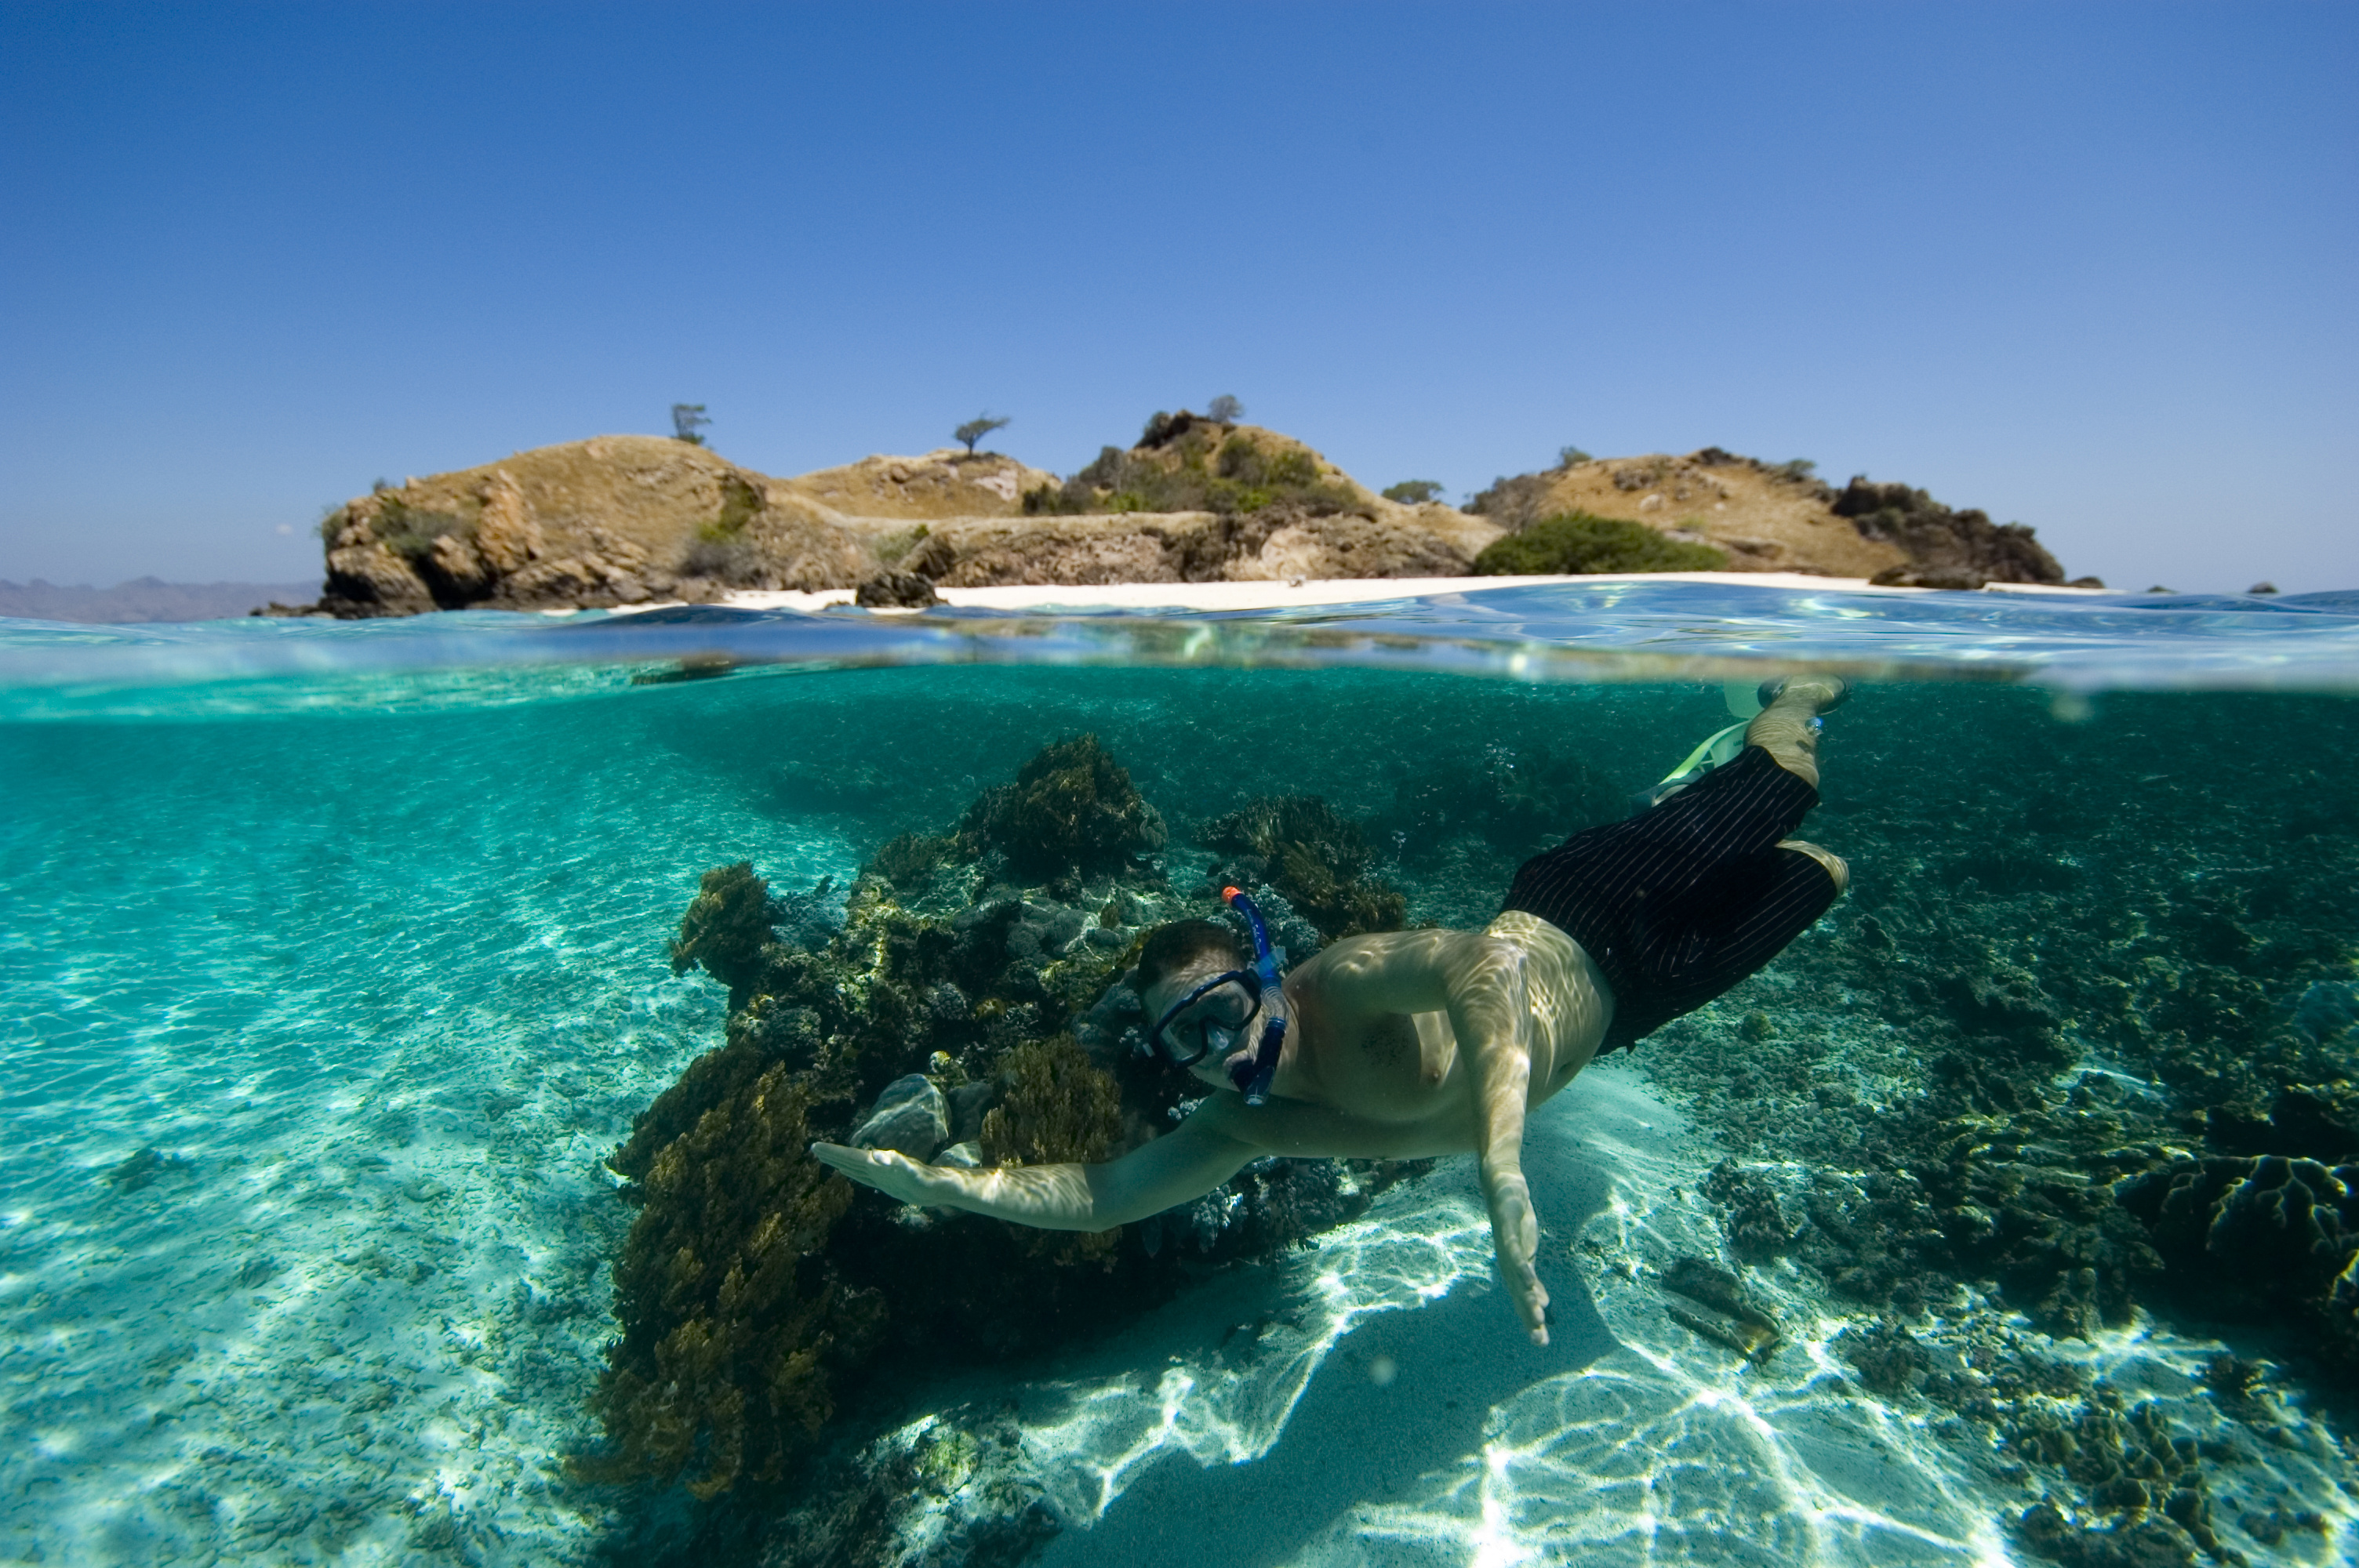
(908, 859)
(725, 928)
(1317, 859)
(1072, 809)
(2261, 1238)
(1056, 1107)
(733, 1321)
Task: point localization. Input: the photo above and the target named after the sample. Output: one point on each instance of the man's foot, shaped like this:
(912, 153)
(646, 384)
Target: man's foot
(1825, 693)
(1836, 866)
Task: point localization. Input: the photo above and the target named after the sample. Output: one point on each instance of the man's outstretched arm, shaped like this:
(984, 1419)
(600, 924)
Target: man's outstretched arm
(1186, 1163)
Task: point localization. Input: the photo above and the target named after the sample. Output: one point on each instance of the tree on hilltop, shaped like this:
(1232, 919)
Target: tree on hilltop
(1224, 410)
(1414, 492)
(975, 429)
(687, 419)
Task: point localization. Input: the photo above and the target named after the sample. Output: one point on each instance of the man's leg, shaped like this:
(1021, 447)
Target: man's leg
(1784, 729)
(1833, 862)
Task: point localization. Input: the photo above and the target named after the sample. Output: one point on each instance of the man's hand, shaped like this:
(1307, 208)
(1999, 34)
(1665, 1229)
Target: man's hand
(1516, 1238)
(894, 1174)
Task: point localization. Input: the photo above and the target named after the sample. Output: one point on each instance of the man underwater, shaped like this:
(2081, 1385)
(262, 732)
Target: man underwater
(1413, 1044)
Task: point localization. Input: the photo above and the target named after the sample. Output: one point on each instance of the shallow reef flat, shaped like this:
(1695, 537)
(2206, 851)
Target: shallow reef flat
(359, 1065)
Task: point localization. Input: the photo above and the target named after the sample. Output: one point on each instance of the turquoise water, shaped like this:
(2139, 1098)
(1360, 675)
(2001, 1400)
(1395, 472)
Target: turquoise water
(335, 960)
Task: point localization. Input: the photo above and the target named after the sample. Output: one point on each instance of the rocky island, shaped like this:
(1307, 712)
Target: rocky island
(624, 520)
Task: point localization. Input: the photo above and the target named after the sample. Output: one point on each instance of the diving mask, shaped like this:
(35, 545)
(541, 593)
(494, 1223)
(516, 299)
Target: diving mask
(1208, 1019)
(1211, 1017)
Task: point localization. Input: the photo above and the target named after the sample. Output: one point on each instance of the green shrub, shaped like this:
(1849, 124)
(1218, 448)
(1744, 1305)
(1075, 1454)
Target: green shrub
(410, 532)
(740, 502)
(1227, 475)
(1578, 542)
(1414, 492)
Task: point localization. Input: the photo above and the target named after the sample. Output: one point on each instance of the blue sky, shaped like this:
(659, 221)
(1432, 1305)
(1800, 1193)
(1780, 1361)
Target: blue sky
(2090, 267)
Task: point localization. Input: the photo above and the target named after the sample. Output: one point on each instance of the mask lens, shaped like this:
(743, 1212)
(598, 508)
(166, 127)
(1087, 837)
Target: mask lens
(1211, 1022)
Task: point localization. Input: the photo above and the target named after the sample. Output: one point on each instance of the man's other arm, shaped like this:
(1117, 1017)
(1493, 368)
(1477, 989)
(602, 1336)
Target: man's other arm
(1186, 1163)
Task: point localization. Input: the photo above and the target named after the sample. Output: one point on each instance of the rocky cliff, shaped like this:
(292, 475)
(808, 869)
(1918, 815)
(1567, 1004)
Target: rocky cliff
(626, 519)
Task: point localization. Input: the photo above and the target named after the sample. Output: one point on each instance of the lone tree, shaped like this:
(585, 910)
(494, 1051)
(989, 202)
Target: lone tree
(687, 419)
(1414, 492)
(976, 428)
(1568, 456)
(1224, 410)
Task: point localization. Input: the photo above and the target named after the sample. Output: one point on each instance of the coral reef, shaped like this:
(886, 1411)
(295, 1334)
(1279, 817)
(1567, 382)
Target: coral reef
(731, 1322)
(2101, 1079)
(725, 929)
(1055, 1108)
(759, 1296)
(1318, 860)
(1071, 809)
(2267, 1237)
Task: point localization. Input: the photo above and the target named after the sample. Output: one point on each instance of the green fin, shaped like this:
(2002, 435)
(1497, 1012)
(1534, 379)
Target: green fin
(1721, 746)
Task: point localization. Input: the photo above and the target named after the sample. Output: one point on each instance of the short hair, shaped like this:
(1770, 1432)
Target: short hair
(1181, 942)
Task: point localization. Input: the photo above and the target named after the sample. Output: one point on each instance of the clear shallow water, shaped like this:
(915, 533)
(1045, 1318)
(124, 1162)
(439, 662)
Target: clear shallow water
(371, 965)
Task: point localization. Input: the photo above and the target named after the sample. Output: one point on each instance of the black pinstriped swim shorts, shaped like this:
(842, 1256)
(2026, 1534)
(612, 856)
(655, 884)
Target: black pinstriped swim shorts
(1682, 901)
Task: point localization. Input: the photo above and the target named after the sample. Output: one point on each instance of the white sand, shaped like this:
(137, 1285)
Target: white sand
(1374, 1401)
(1203, 596)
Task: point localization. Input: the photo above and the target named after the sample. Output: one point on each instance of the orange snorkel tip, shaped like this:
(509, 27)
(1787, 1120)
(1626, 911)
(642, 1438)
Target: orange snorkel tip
(1229, 895)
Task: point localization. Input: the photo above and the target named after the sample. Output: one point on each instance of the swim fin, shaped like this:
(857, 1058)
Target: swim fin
(1719, 746)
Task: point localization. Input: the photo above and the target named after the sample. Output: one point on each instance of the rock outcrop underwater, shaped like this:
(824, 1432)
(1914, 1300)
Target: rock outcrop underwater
(966, 1006)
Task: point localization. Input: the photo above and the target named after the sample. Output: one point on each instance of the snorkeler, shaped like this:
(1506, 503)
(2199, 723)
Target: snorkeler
(1413, 1044)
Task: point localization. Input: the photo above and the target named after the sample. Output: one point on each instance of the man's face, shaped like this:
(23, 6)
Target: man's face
(1221, 1021)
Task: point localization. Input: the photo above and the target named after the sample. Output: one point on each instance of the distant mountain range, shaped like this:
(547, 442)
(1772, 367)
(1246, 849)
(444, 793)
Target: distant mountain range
(146, 599)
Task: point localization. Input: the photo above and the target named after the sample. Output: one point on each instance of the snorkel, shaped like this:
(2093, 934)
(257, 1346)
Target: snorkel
(1253, 1077)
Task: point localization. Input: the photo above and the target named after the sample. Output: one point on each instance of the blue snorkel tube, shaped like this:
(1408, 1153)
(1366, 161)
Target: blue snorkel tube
(1252, 1078)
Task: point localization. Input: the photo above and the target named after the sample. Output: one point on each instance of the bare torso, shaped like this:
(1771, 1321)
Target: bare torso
(1359, 1078)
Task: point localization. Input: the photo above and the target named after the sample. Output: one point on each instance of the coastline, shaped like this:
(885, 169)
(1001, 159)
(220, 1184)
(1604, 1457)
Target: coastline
(1299, 592)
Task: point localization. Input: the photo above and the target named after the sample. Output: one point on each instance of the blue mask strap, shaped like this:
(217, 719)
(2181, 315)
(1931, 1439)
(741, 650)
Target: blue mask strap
(1253, 1078)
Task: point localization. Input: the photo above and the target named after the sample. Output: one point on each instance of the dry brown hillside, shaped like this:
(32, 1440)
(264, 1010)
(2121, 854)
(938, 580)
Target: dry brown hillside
(944, 483)
(629, 519)
(1768, 519)
(1779, 517)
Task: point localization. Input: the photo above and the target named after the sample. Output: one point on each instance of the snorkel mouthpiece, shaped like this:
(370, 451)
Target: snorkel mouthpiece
(1252, 1078)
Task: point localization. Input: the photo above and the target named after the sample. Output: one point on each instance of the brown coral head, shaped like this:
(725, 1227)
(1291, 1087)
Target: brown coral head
(1071, 809)
(725, 928)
